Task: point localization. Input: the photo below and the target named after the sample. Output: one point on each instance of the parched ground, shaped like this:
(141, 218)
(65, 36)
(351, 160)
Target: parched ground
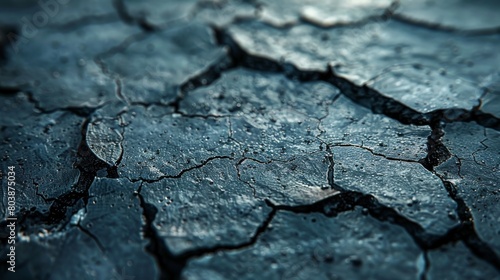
(264, 139)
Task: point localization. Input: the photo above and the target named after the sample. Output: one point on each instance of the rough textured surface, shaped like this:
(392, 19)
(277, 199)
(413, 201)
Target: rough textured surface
(409, 189)
(205, 208)
(452, 69)
(351, 246)
(427, 90)
(351, 124)
(297, 181)
(323, 13)
(452, 14)
(218, 139)
(64, 74)
(265, 122)
(157, 13)
(51, 141)
(92, 251)
(474, 170)
(170, 148)
(152, 68)
(455, 262)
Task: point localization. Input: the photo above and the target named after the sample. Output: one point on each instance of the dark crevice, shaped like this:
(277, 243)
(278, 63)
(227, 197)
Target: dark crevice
(170, 265)
(466, 231)
(45, 199)
(6, 90)
(91, 235)
(437, 152)
(62, 208)
(483, 148)
(348, 200)
(373, 152)
(230, 247)
(238, 172)
(208, 76)
(377, 102)
(203, 79)
(128, 18)
(459, 166)
(179, 175)
(119, 91)
(122, 150)
(83, 111)
(381, 104)
(362, 95)
(330, 174)
(175, 109)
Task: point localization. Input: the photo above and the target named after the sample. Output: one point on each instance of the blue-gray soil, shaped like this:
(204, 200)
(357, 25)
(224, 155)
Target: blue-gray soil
(258, 139)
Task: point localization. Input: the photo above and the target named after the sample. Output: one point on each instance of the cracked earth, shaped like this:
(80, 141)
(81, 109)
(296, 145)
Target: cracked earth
(217, 139)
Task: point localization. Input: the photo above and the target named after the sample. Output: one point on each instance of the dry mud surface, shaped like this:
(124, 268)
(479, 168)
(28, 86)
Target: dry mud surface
(264, 139)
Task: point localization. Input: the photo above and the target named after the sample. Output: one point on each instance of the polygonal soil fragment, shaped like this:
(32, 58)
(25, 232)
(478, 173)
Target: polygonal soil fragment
(408, 188)
(104, 138)
(242, 92)
(112, 203)
(454, 14)
(491, 103)
(474, 170)
(59, 68)
(300, 180)
(43, 150)
(222, 13)
(361, 53)
(157, 147)
(218, 171)
(154, 66)
(351, 124)
(158, 14)
(296, 246)
(205, 208)
(271, 116)
(324, 13)
(102, 241)
(426, 90)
